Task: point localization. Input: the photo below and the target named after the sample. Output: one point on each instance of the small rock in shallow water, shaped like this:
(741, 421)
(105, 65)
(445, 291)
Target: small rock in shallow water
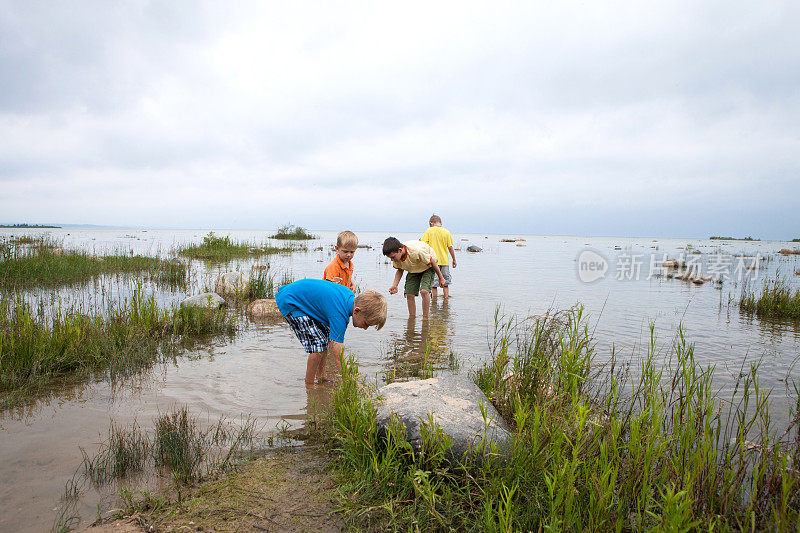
(206, 299)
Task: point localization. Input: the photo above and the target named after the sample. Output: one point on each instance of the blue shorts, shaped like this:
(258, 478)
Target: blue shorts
(312, 335)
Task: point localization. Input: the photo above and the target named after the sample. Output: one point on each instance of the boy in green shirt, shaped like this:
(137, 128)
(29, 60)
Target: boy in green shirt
(419, 260)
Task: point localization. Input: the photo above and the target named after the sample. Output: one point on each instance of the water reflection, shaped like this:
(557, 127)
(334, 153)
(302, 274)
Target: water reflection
(423, 347)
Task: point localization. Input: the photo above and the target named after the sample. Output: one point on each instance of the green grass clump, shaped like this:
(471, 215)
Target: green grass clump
(295, 233)
(128, 337)
(125, 453)
(43, 263)
(215, 248)
(178, 445)
(594, 449)
(262, 285)
(776, 300)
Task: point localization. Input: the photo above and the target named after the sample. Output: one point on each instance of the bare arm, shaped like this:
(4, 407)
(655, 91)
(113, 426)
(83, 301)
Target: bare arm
(336, 349)
(397, 276)
(435, 265)
(452, 254)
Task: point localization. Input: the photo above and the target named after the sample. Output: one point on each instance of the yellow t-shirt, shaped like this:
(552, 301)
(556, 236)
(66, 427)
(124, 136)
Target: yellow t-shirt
(440, 240)
(418, 257)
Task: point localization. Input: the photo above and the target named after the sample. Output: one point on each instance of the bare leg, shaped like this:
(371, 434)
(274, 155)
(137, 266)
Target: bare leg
(426, 302)
(445, 291)
(412, 306)
(312, 365)
(433, 292)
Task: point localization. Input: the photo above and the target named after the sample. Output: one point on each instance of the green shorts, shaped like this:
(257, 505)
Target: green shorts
(418, 280)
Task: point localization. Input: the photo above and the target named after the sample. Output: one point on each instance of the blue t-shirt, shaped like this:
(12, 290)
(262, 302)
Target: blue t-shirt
(328, 303)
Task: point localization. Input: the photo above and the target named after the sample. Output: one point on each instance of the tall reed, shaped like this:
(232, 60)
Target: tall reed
(43, 263)
(595, 447)
(35, 349)
(776, 300)
(216, 249)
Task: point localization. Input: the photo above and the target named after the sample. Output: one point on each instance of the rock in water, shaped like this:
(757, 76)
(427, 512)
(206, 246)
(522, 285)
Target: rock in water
(454, 402)
(473, 248)
(264, 310)
(207, 299)
(232, 284)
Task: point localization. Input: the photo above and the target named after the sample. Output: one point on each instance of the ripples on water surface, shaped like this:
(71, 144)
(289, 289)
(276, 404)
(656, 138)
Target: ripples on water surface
(261, 371)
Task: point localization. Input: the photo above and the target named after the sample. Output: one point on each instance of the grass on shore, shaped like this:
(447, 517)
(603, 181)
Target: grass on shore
(652, 449)
(218, 249)
(41, 262)
(177, 448)
(776, 300)
(35, 350)
(294, 233)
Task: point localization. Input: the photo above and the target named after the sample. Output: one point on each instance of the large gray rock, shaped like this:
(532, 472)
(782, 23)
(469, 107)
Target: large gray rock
(232, 284)
(454, 404)
(206, 299)
(473, 248)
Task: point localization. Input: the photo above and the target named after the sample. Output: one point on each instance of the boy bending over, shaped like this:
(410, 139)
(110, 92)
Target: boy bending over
(340, 270)
(319, 312)
(419, 260)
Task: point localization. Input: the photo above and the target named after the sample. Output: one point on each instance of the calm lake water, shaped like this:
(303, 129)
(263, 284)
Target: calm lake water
(260, 372)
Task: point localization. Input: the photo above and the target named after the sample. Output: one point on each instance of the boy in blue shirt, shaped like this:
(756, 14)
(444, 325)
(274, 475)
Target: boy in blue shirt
(319, 312)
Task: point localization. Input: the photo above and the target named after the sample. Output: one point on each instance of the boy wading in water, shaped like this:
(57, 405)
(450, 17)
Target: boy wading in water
(442, 242)
(319, 312)
(340, 270)
(419, 260)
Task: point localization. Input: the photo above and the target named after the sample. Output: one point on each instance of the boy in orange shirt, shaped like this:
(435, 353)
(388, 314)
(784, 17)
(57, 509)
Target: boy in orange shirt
(340, 270)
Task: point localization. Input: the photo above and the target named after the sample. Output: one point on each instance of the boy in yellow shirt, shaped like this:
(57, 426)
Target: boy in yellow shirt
(419, 260)
(442, 242)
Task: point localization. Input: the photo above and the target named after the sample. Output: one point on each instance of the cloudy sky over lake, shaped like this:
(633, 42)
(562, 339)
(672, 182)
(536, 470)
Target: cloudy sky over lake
(593, 118)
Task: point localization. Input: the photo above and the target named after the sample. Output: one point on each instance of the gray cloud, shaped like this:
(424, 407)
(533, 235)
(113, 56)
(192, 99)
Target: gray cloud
(569, 117)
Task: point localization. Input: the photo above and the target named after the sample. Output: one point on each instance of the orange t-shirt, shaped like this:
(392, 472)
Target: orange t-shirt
(337, 269)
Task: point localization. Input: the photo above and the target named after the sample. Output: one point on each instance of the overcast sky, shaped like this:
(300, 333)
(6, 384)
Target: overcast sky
(591, 118)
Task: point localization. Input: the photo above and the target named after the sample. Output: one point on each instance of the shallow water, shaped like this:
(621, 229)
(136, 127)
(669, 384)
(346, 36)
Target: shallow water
(261, 370)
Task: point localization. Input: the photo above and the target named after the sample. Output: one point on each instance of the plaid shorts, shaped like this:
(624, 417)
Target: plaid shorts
(311, 334)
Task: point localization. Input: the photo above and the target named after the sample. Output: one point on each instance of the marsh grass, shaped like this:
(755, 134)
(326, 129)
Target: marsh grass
(262, 285)
(177, 446)
(123, 454)
(595, 448)
(294, 233)
(219, 249)
(36, 349)
(777, 299)
(43, 263)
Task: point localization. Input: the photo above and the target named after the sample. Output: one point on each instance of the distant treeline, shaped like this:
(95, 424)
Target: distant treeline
(26, 226)
(748, 238)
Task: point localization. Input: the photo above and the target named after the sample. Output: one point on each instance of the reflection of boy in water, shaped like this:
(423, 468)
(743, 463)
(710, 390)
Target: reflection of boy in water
(319, 312)
(442, 242)
(419, 260)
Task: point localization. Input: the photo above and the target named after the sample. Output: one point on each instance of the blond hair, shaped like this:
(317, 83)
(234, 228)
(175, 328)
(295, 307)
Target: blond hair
(373, 308)
(435, 219)
(347, 239)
